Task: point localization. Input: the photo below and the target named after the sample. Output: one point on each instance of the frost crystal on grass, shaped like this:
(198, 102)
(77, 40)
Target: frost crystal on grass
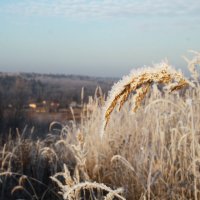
(140, 81)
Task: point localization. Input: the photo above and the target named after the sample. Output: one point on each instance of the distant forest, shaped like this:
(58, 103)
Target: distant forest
(17, 91)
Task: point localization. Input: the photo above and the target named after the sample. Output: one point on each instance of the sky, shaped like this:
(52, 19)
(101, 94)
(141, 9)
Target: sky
(96, 37)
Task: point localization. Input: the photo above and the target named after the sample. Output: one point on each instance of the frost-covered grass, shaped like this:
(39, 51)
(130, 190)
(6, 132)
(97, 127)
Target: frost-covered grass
(153, 153)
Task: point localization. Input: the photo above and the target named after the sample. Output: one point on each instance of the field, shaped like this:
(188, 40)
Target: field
(35, 100)
(150, 149)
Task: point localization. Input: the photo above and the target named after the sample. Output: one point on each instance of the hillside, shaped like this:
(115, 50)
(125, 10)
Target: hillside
(51, 96)
(37, 87)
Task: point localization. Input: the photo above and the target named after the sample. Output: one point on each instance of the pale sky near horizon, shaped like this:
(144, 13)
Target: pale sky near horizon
(95, 37)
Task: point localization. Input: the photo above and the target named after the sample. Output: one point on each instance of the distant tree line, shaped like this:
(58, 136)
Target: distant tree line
(17, 91)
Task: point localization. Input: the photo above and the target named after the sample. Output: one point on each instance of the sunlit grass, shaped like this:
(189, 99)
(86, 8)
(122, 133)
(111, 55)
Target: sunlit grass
(153, 153)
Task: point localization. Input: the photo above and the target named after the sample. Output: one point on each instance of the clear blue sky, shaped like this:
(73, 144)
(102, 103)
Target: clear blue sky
(95, 37)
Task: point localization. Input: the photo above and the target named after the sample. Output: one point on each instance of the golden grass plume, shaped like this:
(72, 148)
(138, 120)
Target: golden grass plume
(140, 82)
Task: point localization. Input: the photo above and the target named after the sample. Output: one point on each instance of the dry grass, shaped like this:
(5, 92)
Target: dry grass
(26, 165)
(140, 82)
(153, 153)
